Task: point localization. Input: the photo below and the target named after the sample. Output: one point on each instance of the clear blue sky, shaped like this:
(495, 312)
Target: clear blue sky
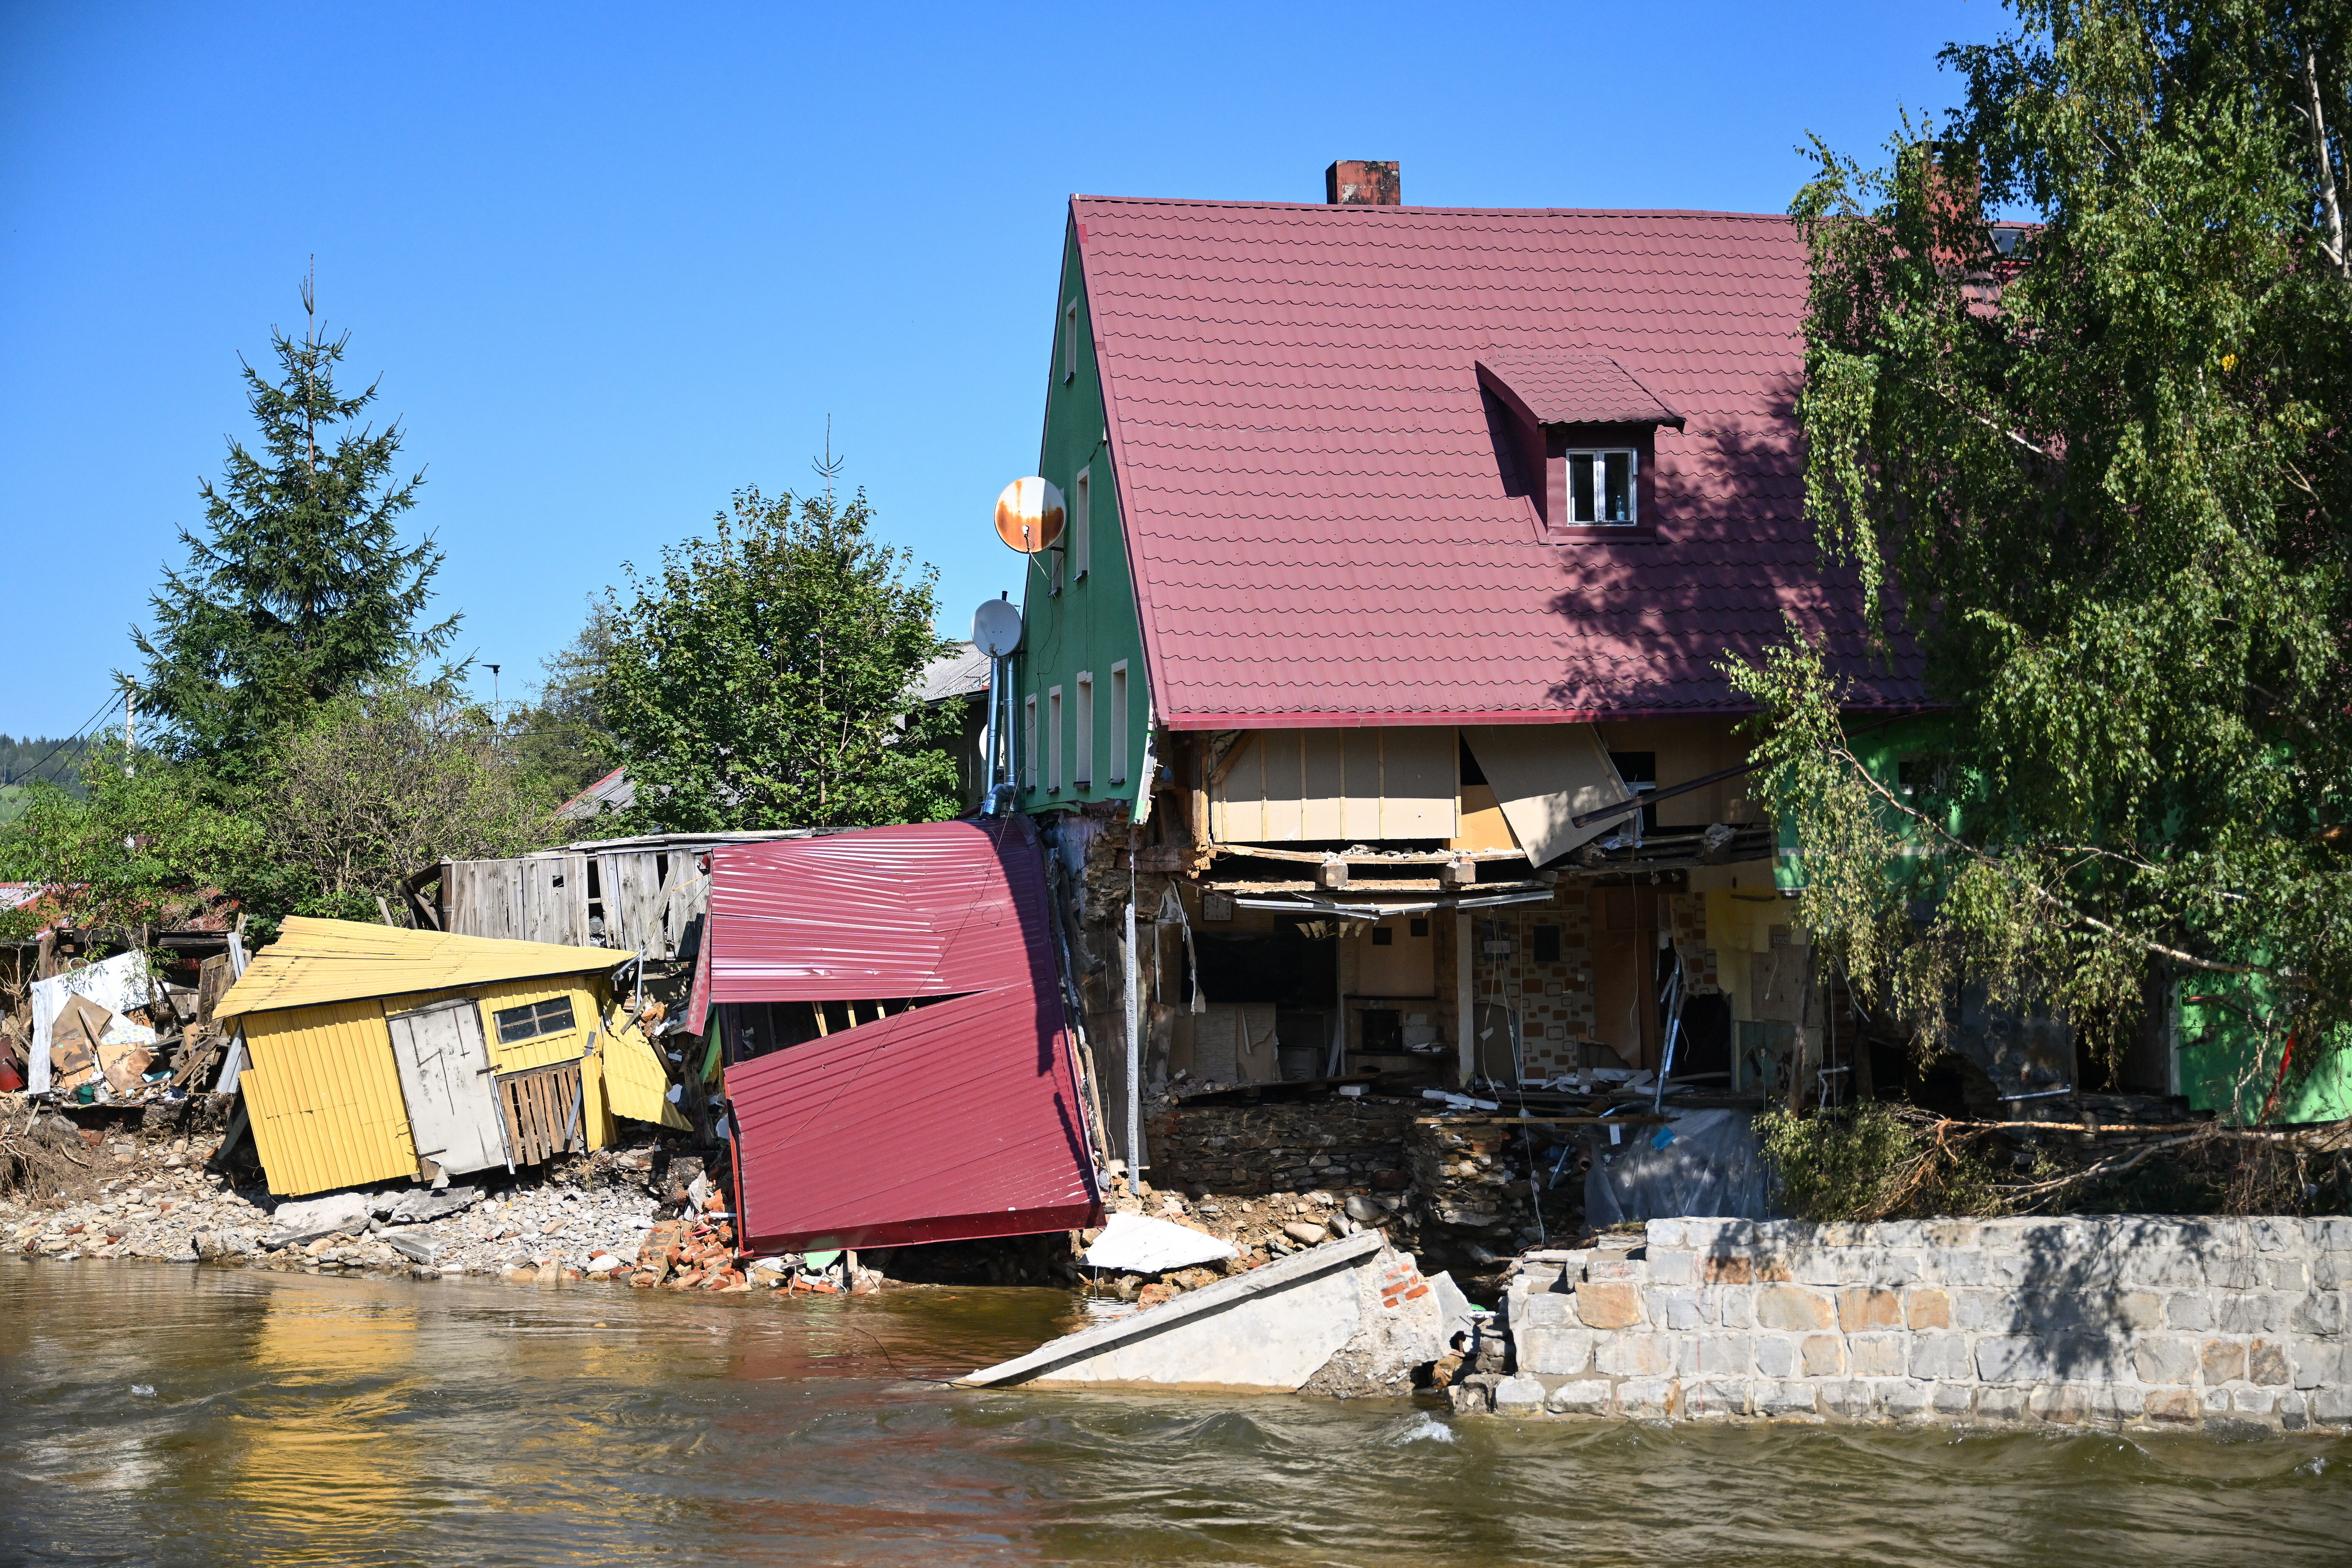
(612, 263)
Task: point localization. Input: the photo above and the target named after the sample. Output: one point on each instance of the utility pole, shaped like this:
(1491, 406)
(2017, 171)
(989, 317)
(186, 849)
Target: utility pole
(494, 689)
(130, 727)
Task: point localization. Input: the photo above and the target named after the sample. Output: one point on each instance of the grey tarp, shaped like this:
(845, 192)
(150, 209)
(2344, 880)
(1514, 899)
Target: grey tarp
(1711, 1166)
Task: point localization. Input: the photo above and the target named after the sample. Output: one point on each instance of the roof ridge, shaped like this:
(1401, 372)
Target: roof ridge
(1391, 213)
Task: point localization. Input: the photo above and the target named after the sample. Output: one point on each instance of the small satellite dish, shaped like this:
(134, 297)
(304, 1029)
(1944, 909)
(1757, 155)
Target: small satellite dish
(996, 628)
(1029, 515)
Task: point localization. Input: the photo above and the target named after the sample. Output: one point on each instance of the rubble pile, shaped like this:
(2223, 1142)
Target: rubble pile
(600, 1220)
(1254, 1231)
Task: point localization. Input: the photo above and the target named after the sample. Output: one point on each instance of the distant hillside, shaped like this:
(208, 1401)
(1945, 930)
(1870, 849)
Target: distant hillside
(26, 758)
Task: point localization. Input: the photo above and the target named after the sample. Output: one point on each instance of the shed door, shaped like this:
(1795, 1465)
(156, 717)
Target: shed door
(445, 1077)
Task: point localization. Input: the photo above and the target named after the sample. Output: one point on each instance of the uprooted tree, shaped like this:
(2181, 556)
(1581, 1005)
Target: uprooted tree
(769, 676)
(2099, 473)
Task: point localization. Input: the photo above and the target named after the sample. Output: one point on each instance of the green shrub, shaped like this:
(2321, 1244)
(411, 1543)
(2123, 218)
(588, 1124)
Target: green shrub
(1871, 1162)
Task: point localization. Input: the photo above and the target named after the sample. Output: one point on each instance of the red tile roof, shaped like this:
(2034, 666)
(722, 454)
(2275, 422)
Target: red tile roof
(1317, 520)
(1572, 389)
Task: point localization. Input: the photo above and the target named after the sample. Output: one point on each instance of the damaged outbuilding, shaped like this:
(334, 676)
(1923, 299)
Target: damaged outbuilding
(899, 1066)
(372, 1052)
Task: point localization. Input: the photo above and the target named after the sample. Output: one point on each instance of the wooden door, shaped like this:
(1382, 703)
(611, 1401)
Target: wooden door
(1625, 973)
(445, 1077)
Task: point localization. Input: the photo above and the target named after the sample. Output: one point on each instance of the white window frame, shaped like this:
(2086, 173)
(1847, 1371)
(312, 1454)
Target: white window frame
(1119, 723)
(1598, 457)
(1053, 740)
(1082, 737)
(1029, 741)
(1070, 340)
(1082, 522)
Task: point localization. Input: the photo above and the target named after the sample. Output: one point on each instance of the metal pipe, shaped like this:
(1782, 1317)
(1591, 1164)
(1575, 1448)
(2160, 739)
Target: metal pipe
(1134, 1032)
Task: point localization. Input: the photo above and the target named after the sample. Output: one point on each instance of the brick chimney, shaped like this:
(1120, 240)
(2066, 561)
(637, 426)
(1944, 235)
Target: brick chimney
(1358, 183)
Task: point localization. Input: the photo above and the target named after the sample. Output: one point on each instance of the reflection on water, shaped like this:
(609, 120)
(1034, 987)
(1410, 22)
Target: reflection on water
(297, 1419)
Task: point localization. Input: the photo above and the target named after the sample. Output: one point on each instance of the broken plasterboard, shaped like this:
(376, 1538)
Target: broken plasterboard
(1545, 775)
(116, 985)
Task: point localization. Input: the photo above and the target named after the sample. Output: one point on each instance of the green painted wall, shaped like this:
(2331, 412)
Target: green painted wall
(2226, 1068)
(1882, 752)
(1090, 624)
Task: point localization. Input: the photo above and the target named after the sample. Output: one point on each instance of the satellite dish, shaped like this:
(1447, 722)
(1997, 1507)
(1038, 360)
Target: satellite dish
(1029, 515)
(996, 628)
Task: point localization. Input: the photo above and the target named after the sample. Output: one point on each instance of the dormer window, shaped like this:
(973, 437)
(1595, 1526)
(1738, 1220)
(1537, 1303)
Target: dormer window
(1601, 487)
(1582, 433)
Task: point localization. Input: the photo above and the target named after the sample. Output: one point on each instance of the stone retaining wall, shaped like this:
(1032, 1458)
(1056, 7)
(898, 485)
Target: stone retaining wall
(2130, 1321)
(1256, 1149)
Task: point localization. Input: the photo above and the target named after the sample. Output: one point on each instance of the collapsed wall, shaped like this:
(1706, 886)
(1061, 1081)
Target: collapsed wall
(2128, 1320)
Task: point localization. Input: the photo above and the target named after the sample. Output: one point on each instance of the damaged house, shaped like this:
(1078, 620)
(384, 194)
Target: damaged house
(1370, 696)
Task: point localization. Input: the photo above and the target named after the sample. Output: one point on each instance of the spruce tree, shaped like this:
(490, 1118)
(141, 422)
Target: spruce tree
(299, 586)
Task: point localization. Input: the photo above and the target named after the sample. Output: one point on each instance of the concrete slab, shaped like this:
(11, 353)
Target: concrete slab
(1343, 1305)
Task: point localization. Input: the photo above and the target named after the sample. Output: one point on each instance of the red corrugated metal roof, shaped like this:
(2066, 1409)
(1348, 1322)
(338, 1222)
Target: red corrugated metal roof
(959, 1119)
(1319, 527)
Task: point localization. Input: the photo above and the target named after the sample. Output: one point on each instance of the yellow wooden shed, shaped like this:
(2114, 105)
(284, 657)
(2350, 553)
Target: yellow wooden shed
(373, 1052)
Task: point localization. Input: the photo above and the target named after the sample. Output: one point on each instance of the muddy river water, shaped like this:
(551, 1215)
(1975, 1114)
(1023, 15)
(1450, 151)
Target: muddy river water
(156, 1413)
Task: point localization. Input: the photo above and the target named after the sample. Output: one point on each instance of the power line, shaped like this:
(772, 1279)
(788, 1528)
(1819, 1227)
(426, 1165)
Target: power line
(87, 726)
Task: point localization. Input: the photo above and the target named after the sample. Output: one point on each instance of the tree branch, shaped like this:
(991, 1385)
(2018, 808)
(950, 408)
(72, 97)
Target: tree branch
(2327, 200)
(2056, 901)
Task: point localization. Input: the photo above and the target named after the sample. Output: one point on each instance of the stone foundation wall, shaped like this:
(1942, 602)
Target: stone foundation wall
(1255, 1149)
(2130, 1321)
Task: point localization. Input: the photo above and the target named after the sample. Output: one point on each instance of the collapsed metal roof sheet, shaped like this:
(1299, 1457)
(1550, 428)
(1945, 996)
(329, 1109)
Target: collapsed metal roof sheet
(315, 961)
(959, 1119)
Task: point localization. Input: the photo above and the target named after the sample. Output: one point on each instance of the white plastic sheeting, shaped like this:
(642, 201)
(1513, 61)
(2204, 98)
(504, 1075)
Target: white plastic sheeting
(117, 985)
(1138, 1245)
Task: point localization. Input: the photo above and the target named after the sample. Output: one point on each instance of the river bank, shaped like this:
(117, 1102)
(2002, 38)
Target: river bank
(208, 1415)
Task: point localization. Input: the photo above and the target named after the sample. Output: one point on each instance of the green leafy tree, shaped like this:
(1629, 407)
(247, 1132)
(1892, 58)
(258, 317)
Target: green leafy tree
(2100, 474)
(562, 737)
(390, 778)
(766, 677)
(299, 584)
(146, 845)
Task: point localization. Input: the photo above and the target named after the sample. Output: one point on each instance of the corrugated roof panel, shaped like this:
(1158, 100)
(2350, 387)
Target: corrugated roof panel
(324, 1096)
(958, 1119)
(927, 909)
(316, 960)
(955, 1121)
